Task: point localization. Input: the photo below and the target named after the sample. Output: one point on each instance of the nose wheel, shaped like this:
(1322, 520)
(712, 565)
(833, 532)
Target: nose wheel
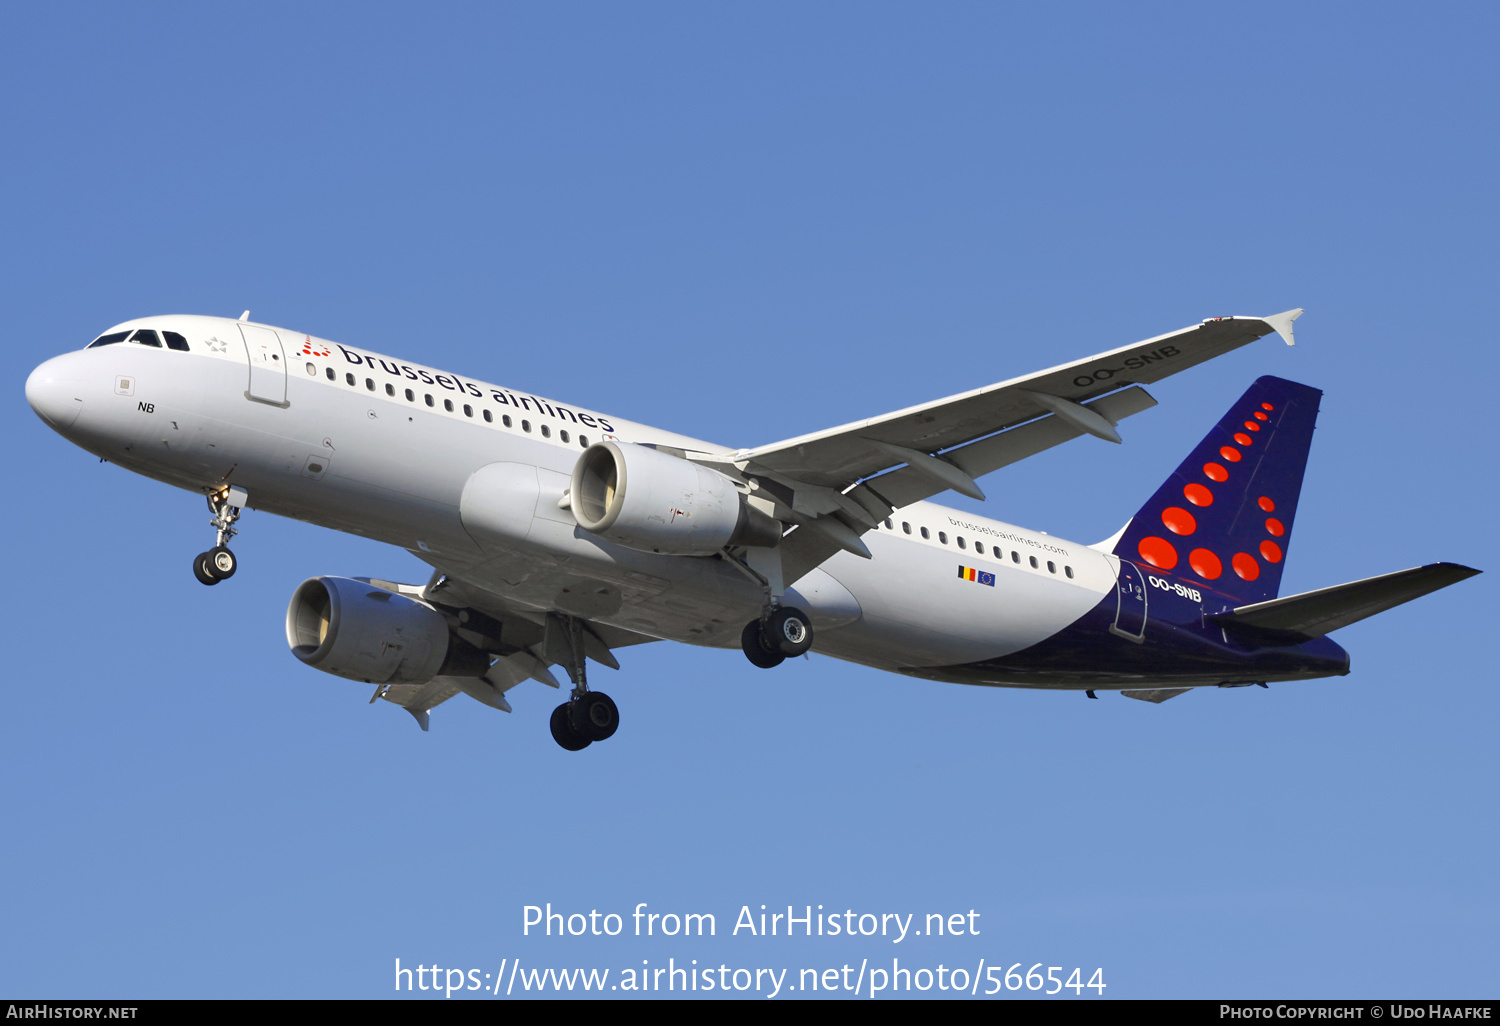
(218, 563)
(215, 565)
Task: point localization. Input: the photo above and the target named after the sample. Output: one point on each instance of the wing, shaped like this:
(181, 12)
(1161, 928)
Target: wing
(526, 641)
(523, 642)
(840, 482)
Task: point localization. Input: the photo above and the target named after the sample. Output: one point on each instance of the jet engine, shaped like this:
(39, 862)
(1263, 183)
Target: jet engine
(644, 499)
(353, 629)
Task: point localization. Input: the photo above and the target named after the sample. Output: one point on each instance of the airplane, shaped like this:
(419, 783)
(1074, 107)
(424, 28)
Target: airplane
(559, 535)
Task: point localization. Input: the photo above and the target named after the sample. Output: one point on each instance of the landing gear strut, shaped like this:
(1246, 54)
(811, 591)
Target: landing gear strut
(218, 563)
(587, 716)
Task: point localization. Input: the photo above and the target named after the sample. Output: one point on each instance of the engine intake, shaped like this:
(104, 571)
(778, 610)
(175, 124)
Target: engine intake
(645, 499)
(355, 630)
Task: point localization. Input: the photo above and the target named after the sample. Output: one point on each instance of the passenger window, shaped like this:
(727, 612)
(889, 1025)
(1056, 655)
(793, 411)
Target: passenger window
(448, 405)
(411, 396)
(331, 375)
(370, 384)
(390, 389)
(1034, 565)
(349, 378)
(925, 534)
(177, 342)
(489, 418)
(906, 527)
(888, 526)
(943, 537)
(583, 440)
(1015, 557)
(146, 337)
(546, 431)
(312, 370)
(505, 419)
(108, 340)
(978, 547)
(564, 436)
(428, 397)
(468, 410)
(1069, 571)
(525, 425)
(1051, 567)
(960, 540)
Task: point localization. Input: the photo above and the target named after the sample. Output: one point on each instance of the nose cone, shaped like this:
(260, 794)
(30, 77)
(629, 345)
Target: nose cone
(55, 391)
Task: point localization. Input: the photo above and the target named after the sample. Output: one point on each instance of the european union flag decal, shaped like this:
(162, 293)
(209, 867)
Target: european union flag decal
(970, 573)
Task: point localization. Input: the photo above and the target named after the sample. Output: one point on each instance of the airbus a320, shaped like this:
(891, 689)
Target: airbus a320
(560, 535)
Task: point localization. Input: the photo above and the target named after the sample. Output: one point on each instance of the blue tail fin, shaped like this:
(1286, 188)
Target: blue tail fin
(1224, 520)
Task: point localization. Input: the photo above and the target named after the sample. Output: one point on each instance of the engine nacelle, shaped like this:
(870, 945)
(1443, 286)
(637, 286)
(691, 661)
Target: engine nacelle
(356, 630)
(645, 499)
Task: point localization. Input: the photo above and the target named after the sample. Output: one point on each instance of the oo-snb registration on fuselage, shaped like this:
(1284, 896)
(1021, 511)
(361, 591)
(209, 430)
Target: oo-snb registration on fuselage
(560, 536)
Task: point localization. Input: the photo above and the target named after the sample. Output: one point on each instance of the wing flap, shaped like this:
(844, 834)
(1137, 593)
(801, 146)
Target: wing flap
(1156, 695)
(839, 456)
(905, 486)
(1313, 614)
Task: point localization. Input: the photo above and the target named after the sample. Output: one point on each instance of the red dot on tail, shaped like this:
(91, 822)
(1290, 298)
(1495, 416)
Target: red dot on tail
(1179, 520)
(1276, 527)
(1245, 565)
(1267, 407)
(1250, 425)
(1270, 551)
(1242, 438)
(1230, 453)
(1267, 505)
(1198, 495)
(1205, 564)
(1215, 472)
(1261, 416)
(1158, 552)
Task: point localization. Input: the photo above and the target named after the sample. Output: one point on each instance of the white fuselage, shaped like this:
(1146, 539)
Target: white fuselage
(403, 453)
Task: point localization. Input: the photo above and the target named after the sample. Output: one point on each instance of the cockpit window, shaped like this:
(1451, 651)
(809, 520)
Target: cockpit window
(110, 339)
(175, 341)
(146, 337)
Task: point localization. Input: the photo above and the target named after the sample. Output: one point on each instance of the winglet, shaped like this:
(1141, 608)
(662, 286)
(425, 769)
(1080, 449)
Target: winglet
(1282, 324)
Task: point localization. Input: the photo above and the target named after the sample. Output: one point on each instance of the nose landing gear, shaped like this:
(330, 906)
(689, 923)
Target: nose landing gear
(218, 563)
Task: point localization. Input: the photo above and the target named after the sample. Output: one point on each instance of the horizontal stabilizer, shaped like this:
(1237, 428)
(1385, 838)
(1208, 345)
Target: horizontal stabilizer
(1315, 613)
(1157, 695)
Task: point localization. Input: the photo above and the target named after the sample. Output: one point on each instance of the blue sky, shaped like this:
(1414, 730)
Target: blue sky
(744, 223)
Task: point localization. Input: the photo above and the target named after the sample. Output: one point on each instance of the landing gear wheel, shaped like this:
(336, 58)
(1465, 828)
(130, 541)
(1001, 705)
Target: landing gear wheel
(563, 733)
(754, 644)
(222, 562)
(203, 569)
(593, 715)
(789, 632)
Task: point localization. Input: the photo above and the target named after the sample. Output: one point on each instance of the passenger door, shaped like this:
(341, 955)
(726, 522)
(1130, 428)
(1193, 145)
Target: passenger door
(267, 365)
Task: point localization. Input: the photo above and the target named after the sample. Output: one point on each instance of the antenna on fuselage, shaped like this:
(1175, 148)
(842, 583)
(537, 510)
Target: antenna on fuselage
(245, 316)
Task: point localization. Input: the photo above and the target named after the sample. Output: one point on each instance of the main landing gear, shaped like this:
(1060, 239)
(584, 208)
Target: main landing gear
(587, 716)
(782, 633)
(218, 563)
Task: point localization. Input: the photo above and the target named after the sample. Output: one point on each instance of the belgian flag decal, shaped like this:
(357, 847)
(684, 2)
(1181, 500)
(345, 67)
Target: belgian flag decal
(968, 573)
